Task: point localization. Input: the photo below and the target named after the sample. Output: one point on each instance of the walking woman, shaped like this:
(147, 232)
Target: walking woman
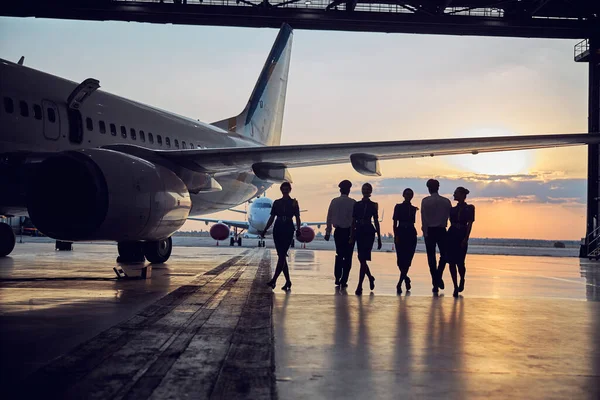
(462, 217)
(364, 233)
(282, 212)
(405, 237)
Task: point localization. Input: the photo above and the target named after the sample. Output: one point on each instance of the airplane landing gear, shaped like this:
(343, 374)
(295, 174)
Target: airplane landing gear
(293, 243)
(261, 243)
(231, 241)
(63, 246)
(7, 239)
(131, 252)
(159, 251)
(239, 241)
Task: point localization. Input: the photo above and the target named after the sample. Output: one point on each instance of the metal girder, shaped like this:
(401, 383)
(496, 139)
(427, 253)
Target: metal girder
(593, 190)
(313, 18)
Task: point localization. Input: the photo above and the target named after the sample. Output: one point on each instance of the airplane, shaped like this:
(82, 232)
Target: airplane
(258, 216)
(131, 173)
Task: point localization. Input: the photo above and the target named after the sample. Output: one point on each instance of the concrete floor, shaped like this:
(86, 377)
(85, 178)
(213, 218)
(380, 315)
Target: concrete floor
(52, 301)
(526, 327)
(522, 330)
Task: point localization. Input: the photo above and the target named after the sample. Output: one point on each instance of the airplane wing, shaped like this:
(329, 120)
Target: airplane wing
(363, 156)
(235, 224)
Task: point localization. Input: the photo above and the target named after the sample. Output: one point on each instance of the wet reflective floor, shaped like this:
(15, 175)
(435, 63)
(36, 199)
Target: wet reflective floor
(525, 327)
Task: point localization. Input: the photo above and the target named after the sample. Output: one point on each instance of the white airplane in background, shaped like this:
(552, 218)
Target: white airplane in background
(258, 215)
(128, 172)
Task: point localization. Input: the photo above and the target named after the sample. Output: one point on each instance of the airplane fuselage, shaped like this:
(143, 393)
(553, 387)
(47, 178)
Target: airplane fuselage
(258, 215)
(34, 117)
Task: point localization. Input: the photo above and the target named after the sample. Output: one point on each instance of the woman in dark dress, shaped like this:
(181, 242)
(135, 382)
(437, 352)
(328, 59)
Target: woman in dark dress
(462, 217)
(283, 212)
(405, 237)
(364, 234)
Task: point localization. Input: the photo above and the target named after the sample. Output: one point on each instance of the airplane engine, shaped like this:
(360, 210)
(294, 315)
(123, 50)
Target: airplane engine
(100, 194)
(219, 231)
(307, 234)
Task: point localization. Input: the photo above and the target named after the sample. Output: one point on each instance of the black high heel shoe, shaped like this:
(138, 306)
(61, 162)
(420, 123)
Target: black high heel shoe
(271, 283)
(461, 286)
(287, 286)
(372, 282)
(407, 282)
(399, 288)
(358, 291)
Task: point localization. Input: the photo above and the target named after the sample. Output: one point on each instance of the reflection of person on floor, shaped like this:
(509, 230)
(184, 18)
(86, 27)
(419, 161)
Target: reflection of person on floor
(340, 217)
(435, 211)
(405, 237)
(462, 217)
(284, 209)
(364, 234)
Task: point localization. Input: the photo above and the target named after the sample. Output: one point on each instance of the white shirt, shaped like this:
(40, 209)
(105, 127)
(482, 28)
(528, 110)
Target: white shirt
(435, 211)
(340, 213)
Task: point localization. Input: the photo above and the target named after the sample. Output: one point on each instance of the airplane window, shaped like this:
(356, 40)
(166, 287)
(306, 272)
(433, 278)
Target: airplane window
(24, 109)
(168, 142)
(123, 132)
(132, 134)
(113, 130)
(51, 115)
(263, 205)
(9, 107)
(176, 143)
(37, 111)
(142, 136)
(150, 137)
(159, 139)
(183, 144)
(89, 124)
(102, 127)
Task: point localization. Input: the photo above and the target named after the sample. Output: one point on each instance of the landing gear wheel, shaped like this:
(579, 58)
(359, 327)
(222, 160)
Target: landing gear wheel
(259, 243)
(131, 252)
(159, 251)
(7, 239)
(231, 241)
(293, 243)
(264, 244)
(239, 242)
(63, 246)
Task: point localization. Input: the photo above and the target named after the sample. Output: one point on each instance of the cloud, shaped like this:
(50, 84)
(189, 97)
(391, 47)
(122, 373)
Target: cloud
(522, 188)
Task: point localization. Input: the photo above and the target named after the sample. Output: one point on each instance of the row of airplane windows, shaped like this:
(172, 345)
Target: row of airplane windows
(9, 108)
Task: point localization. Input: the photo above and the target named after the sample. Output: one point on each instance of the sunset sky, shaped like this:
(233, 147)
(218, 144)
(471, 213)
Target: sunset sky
(347, 87)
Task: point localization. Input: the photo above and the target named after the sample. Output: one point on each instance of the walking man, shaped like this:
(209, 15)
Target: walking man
(339, 216)
(435, 211)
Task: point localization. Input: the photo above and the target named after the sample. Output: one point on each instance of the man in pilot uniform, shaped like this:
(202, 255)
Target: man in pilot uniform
(340, 217)
(435, 211)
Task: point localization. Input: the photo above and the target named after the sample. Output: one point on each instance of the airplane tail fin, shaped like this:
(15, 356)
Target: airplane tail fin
(262, 118)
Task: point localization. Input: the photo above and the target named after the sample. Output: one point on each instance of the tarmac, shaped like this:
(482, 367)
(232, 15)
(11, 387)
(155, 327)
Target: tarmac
(205, 325)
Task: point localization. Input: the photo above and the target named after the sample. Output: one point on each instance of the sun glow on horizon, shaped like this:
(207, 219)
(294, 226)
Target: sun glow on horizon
(505, 163)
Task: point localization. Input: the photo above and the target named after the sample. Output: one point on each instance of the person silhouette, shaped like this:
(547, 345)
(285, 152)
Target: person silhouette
(339, 216)
(462, 217)
(364, 234)
(435, 211)
(282, 212)
(405, 237)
